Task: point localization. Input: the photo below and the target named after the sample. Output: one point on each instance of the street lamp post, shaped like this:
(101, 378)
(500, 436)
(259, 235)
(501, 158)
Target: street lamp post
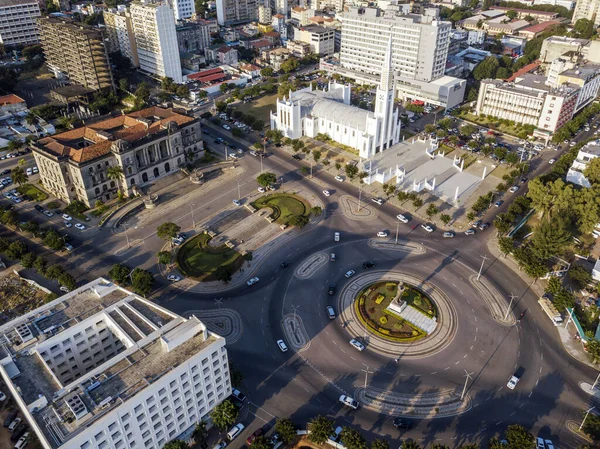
(397, 227)
(359, 196)
(481, 268)
(126, 235)
(467, 377)
(596, 381)
(281, 180)
(239, 195)
(311, 170)
(512, 297)
(261, 163)
(585, 417)
(366, 371)
(192, 211)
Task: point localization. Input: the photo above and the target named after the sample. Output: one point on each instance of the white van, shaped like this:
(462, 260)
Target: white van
(22, 441)
(235, 431)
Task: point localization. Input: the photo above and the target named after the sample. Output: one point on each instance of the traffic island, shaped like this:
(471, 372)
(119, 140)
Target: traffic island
(287, 209)
(396, 336)
(200, 260)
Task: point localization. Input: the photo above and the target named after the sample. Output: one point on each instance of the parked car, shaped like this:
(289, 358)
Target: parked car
(80, 226)
(339, 178)
(258, 432)
(470, 232)
(237, 202)
(238, 394)
(13, 425)
(67, 217)
(484, 226)
(476, 224)
(382, 234)
(513, 189)
(330, 312)
(552, 161)
(10, 417)
(336, 236)
(68, 224)
(448, 234)
(235, 431)
(402, 218)
(261, 189)
(173, 278)
(427, 227)
(335, 436)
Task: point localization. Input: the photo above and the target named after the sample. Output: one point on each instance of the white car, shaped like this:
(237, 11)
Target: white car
(448, 234)
(240, 151)
(35, 170)
(326, 192)
(220, 445)
(80, 226)
(539, 443)
(552, 161)
(68, 247)
(339, 178)
(512, 383)
(68, 224)
(282, 345)
(549, 444)
(513, 189)
(427, 227)
(336, 236)
(2, 397)
(350, 402)
(357, 344)
(378, 201)
(402, 218)
(237, 202)
(470, 232)
(173, 278)
(262, 189)
(14, 424)
(252, 281)
(67, 217)
(48, 213)
(29, 171)
(350, 273)
(382, 234)
(235, 431)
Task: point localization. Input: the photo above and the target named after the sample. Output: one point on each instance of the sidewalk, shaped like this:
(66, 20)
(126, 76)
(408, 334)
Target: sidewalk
(570, 345)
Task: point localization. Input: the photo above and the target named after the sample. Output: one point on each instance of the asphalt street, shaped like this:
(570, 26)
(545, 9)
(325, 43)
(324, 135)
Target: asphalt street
(303, 384)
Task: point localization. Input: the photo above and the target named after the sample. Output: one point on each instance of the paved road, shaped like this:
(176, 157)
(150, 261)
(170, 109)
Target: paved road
(304, 384)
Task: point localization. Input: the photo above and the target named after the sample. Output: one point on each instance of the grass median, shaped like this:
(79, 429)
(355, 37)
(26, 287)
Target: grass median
(198, 260)
(284, 205)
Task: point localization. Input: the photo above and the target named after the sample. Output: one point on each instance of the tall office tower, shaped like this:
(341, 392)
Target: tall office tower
(119, 31)
(231, 12)
(76, 51)
(156, 38)
(101, 367)
(587, 9)
(18, 22)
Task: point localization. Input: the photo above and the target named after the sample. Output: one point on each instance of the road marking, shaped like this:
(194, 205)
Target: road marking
(473, 310)
(536, 382)
(540, 369)
(353, 358)
(457, 362)
(342, 350)
(530, 393)
(334, 342)
(465, 356)
(475, 318)
(542, 355)
(512, 413)
(435, 372)
(476, 405)
(447, 368)
(454, 285)
(499, 389)
(471, 348)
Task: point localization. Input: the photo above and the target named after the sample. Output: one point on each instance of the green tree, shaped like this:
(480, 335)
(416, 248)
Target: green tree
(39, 265)
(286, 429)
(316, 155)
(223, 273)
(261, 442)
(351, 170)
(467, 130)
(445, 218)
(120, 273)
(224, 414)
(114, 173)
(289, 65)
(592, 171)
(19, 176)
(200, 434)
(502, 223)
(320, 429)
(142, 281)
(429, 128)
(53, 240)
(316, 210)
(53, 272)
(16, 250)
(380, 444)
(176, 444)
(221, 106)
(563, 299)
(410, 444)
(519, 438)
(266, 71)
(167, 231)
(352, 439)
(593, 350)
(431, 210)
(506, 245)
(299, 221)
(579, 276)
(554, 285)
(584, 28)
(551, 237)
(417, 202)
(27, 260)
(592, 424)
(266, 179)
(165, 257)
(67, 280)
(486, 69)
(512, 15)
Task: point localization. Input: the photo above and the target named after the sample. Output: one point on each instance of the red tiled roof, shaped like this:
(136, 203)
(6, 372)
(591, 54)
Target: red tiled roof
(539, 27)
(523, 70)
(10, 99)
(101, 135)
(279, 16)
(260, 43)
(530, 11)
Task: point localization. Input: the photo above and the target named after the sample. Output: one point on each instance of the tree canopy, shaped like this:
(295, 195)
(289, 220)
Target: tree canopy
(266, 179)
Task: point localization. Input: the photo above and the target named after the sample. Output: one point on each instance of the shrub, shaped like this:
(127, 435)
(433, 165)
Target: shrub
(379, 299)
(417, 301)
(398, 326)
(372, 310)
(383, 320)
(415, 333)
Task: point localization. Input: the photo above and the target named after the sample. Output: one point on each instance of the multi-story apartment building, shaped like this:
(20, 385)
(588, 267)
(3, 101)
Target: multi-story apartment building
(529, 100)
(301, 15)
(587, 153)
(320, 39)
(18, 24)
(231, 12)
(119, 31)
(77, 52)
(281, 7)
(265, 16)
(193, 36)
(146, 145)
(279, 24)
(420, 52)
(587, 9)
(156, 38)
(101, 367)
(183, 9)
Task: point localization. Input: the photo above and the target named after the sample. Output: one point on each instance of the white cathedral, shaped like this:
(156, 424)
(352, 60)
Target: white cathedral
(309, 112)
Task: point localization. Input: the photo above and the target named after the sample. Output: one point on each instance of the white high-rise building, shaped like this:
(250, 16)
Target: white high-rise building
(231, 12)
(156, 38)
(587, 9)
(18, 22)
(419, 53)
(102, 368)
(119, 31)
(183, 9)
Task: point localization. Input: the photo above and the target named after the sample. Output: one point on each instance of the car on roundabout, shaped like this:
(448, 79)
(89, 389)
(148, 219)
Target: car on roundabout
(173, 278)
(326, 193)
(282, 346)
(336, 236)
(427, 227)
(349, 401)
(382, 234)
(368, 264)
(252, 281)
(400, 423)
(357, 344)
(284, 264)
(350, 273)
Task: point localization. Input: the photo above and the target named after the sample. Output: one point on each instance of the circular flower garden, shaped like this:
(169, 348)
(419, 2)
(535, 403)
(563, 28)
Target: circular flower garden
(373, 308)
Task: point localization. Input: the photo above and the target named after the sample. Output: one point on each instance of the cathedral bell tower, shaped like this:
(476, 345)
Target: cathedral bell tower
(384, 101)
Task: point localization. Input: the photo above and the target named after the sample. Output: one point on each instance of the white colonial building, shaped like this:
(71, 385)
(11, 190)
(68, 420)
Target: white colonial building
(309, 112)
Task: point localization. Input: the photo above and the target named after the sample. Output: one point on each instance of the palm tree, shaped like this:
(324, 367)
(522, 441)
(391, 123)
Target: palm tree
(14, 145)
(19, 176)
(115, 173)
(65, 121)
(30, 118)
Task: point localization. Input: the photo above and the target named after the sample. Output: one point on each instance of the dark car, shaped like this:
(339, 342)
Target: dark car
(401, 423)
(38, 208)
(5, 172)
(18, 432)
(484, 226)
(297, 157)
(284, 264)
(331, 289)
(10, 417)
(257, 433)
(368, 264)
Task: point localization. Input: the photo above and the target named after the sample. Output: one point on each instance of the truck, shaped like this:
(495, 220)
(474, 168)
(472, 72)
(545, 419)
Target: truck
(551, 311)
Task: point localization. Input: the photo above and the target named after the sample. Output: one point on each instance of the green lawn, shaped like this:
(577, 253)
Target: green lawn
(260, 107)
(198, 260)
(32, 191)
(514, 129)
(284, 205)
